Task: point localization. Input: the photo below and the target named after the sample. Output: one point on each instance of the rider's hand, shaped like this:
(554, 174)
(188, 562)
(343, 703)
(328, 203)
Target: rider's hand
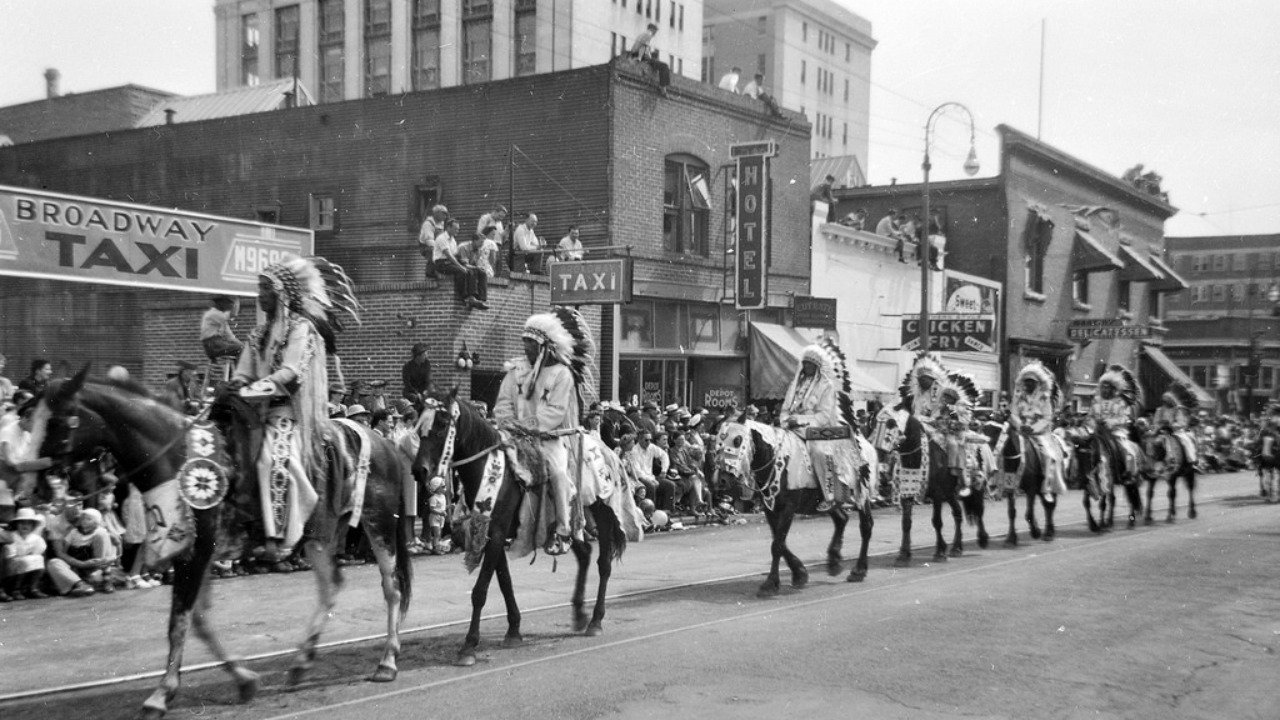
(792, 423)
(237, 383)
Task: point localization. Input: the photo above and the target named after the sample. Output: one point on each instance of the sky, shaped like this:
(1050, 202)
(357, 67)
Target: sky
(1188, 88)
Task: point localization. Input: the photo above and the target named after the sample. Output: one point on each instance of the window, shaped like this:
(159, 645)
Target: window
(425, 196)
(1038, 234)
(1237, 261)
(287, 41)
(686, 201)
(249, 49)
(1122, 295)
(1219, 262)
(1237, 293)
(844, 137)
(1080, 288)
(1219, 293)
(708, 68)
(846, 91)
(267, 213)
(671, 16)
(847, 52)
(377, 47)
(322, 213)
(477, 40)
(804, 32)
(762, 25)
(681, 23)
(803, 69)
(761, 62)
(657, 12)
(425, 73)
(526, 37)
(332, 23)
(1155, 304)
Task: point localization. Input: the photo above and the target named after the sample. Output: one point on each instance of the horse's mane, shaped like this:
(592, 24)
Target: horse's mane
(131, 385)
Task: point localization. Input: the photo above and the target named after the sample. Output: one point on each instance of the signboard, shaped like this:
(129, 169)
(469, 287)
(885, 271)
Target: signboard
(951, 332)
(973, 295)
(1105, 329)
(751, 289)
(814, 312)
(767, 148)
(722, 396)
(81, 239)
(590, 282)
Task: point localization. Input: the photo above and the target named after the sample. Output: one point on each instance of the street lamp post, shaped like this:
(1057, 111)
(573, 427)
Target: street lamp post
(970, 168)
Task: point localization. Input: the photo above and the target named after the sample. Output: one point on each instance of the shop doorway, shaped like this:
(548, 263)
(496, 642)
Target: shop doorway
(659, 380)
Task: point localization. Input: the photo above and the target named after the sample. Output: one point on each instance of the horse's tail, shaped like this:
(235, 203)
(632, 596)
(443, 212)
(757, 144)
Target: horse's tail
(404, 564)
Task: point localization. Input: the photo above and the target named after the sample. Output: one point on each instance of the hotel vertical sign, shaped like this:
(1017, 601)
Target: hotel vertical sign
(751, 289)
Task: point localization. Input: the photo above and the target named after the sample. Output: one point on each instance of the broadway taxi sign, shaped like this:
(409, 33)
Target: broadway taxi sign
(951, 332)
(81, 239)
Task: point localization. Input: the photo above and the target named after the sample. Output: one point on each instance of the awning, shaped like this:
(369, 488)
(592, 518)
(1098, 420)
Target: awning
(1157, 372)
(1137, 267)
(1089, 255)
(775, 355)
(1172, 282)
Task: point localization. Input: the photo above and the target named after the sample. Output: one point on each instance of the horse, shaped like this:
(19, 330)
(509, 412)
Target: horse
(76, 419)
(922, 474)
(1102, 481)
(450, 429)
(1024, 472)
(766, 457)
(1169, 462)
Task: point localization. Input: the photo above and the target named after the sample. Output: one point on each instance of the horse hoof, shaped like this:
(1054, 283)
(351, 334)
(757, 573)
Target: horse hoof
(1170, 518)
(834, 566)
(1035, 532)
(384, 673)
(1148, 520)
(595, 630)
(513, 641)
(465, 659)
(983, 540)
(768, 589)
(1048, 536)
(580, 621)
(957, 550)
(940, 556)
(1011, 540)
(295, 675)
(903, 560)
(857, 575)
(248, 687)
(799, 578)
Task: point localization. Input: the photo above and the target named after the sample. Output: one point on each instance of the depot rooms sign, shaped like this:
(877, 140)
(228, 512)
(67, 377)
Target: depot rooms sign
(80, 239)
(751, 282)
(951, 332)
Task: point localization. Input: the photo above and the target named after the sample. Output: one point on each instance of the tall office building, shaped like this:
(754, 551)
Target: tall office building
(815, 56)
(346, 49)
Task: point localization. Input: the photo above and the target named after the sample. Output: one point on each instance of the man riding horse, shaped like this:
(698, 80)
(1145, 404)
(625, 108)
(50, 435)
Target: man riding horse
(542, 395)
(1036, 401)
(284, 361)
(812, 407)
(1113, 412)
(942, 410)
(1173, 416)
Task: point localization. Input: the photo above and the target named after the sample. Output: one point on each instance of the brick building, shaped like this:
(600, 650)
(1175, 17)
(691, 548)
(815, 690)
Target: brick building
(1224, 331)
(1070, 243)
(597, 147)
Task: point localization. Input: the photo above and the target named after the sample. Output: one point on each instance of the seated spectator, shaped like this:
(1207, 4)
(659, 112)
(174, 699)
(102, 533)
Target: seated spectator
(686, 460)
(18, 467)
(642, 49)
(84, 553)
(823, 193)
(431, 229)
(496, 219)
(888, 225)
(23, 556)
(470, 283)
(215, 330)
(485, 249)
(755, 87)
(528, 247)
(729, 81)
(856, 220)
(570, 247)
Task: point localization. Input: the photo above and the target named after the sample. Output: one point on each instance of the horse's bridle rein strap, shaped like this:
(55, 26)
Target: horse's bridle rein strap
(73, 423)
(450, 438)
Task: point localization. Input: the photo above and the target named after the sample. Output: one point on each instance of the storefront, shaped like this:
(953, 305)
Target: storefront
(687, 353)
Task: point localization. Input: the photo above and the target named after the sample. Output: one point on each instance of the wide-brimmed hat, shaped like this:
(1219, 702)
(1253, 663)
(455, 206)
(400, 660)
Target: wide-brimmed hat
(357, 409)
(418, 349)
(26, 514)
(337, 387)
(693, 421)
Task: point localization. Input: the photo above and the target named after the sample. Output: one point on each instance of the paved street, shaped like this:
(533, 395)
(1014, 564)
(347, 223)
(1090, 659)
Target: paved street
(1165, 621)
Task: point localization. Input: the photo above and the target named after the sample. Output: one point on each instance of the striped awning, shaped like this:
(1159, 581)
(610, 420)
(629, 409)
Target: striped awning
(1172, 282)
(1089, 255)
(1137, 267)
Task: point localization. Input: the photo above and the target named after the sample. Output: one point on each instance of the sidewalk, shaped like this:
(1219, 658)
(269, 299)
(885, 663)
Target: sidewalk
(58, 642)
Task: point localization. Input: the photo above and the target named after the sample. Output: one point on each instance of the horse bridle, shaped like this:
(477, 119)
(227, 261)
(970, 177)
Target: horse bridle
(73, 421)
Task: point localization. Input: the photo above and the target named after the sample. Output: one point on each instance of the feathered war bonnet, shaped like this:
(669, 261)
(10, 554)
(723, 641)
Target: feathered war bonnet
(564, 335)
(925, 365)
(1181, 395)
(315, 289)
(834, 366)
(966, 387)
(1044, 380)
(1127, 387)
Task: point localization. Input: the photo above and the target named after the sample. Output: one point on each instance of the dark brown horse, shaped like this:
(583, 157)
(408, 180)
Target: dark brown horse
(456, 437)
(747, 450)
(77, 419)
(1020, 458)
(1169, 461)
(940, 488)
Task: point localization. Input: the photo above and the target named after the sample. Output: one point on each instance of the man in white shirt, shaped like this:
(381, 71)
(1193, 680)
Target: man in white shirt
(470, 283)
(730, 79)
(431, 228)
(755, 87)
(570, 247)
(528, 246)
(485, 251)
(640, 459)
(495, 218)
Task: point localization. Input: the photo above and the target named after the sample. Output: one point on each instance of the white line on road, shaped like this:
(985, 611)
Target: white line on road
(475, 675)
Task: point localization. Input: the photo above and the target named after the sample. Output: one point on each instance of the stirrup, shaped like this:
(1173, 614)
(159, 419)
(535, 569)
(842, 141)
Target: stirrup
(558, 545)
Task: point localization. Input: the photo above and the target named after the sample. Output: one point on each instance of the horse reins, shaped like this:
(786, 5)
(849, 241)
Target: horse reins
(73, 423)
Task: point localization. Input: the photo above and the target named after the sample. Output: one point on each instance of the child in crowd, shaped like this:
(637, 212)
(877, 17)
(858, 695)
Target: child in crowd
(23, 557)
(437, 504)
(92, 552)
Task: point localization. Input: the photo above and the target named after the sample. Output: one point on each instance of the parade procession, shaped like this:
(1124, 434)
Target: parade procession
(632, 309)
